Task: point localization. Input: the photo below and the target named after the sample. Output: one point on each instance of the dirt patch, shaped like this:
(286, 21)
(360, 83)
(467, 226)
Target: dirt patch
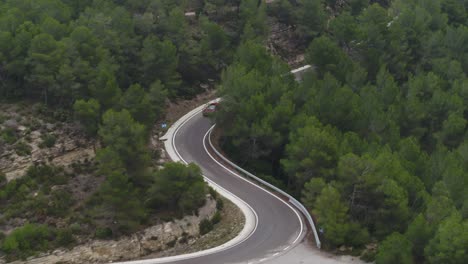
(29, 135)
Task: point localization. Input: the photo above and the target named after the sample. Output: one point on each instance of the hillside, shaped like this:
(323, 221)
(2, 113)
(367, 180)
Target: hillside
(374, 140)
(84, 88)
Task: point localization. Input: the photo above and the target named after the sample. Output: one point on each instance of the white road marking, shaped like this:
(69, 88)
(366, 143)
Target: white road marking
(222, 247)
(224, 192)
(212, 182)
(243, 178)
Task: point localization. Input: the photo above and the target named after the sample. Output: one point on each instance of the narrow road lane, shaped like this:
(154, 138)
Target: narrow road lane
(278, 226)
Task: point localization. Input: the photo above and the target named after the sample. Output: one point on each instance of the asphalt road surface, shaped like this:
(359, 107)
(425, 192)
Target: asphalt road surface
(279, 227)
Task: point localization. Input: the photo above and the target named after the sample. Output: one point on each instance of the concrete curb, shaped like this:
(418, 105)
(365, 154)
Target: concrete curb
(251, 218)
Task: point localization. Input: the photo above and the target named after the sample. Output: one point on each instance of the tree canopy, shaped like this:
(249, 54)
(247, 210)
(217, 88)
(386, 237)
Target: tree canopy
(374, 138)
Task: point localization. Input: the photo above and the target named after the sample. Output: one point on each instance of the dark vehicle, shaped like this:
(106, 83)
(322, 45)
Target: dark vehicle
(210, 109)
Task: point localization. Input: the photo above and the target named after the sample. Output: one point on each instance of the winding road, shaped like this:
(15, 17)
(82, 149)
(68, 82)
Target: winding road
(274, 230)
(278, 225)
(272, 226)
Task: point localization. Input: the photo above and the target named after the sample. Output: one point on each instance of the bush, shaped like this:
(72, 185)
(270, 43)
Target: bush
(64, 237)
(75, 228)
(177, 187)
(219, 204)
(23, 149)
(369, 255)
(60, 202)
(184, 238)
(8, 135)
(47, 175)
(396, 248)
(205, 226)
(216, 218)
(213, 193)
(27, 240)
(3, 179)
(357, 236)
(103, 233)
(172, 242)
(48, 141)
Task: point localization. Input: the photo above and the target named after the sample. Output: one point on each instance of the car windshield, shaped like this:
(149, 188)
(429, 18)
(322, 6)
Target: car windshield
(212, 107)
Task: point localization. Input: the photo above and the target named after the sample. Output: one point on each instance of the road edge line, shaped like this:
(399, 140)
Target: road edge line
(251, 218)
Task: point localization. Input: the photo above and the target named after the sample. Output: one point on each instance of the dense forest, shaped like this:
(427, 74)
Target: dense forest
(63, 51)
(375, 139)
(112, 66)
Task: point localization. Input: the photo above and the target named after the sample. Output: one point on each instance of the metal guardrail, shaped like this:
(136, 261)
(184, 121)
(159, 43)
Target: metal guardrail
(292, 200)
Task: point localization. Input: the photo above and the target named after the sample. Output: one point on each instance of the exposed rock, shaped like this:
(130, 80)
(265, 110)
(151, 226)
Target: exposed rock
(11, 123)
(152, 239)
(71, 144)
(49, 126)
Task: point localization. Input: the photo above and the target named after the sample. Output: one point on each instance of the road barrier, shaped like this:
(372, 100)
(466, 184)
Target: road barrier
(292, 200)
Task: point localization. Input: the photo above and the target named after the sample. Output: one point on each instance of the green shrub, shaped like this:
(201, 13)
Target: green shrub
(216, 218)
(369, 255)
(357, 236)
(213, 193)
(48, 141)
(3, 195)
(64, 237)
(3, 179)
(61, 115)
(27, 240)
(75, 228)
(128, 226)
(23, 149)
(219, 204)
(9, 136)
(177, 187)
(103, 233)
(205, 226)
(35, 124)
(60, 202)
(47, 175)
(172, 243)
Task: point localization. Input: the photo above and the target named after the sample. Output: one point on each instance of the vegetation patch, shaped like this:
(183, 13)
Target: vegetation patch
(48, 141)
(374, 139)
(32, 238)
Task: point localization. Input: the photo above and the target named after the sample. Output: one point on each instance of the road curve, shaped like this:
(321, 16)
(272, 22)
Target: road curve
(278, 227)
(272, 227)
